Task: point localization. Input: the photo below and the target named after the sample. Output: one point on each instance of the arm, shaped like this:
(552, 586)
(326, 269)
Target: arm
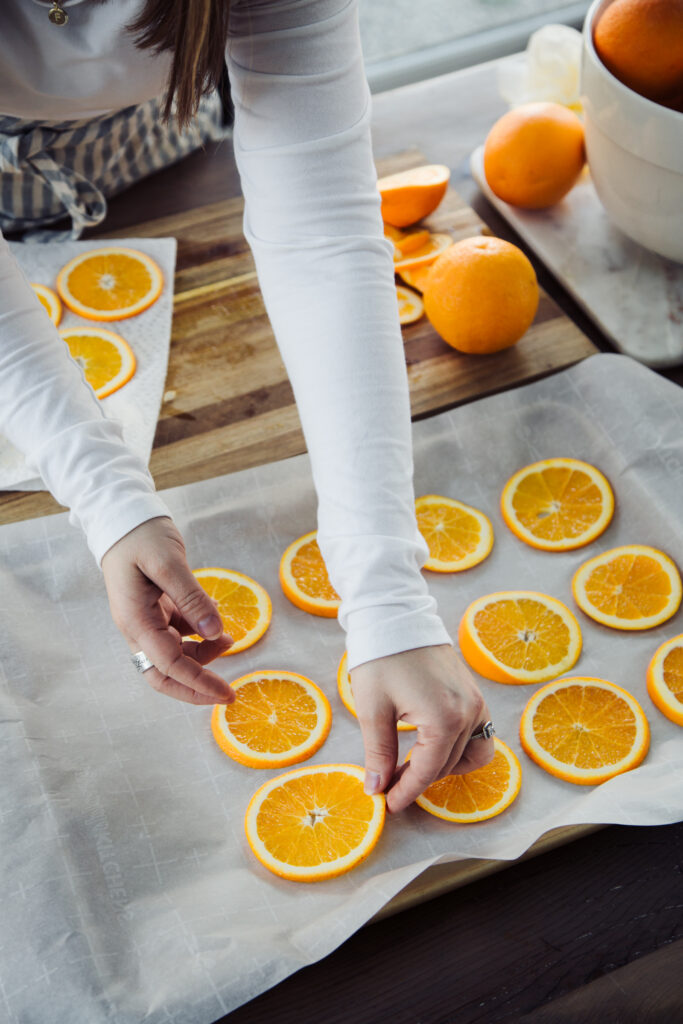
(312, 218)
(54, 418)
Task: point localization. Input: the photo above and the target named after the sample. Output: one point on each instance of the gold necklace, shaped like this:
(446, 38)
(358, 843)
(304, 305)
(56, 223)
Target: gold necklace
(57, 14)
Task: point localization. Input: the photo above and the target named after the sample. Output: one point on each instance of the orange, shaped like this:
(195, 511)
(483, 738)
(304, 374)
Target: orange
(417, 276)
(346, 693)
(49, 300)
(410, 305)
(630, 587)
(314, 822)
(534, 154)
(519, 636)
(423, 255)
(481, 295)
(458, 536)
(242, 603)
(476, 795)
(584, 730)
(557, 504)
(409, 242)
(665, 679)
(277, 718)
(411, 195)
(110, 283)
(304, 579)
(106, 358)
(641, 43)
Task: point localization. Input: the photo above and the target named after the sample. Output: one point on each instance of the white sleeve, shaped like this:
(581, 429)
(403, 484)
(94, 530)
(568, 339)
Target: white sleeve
(312, 218)
(51, 415)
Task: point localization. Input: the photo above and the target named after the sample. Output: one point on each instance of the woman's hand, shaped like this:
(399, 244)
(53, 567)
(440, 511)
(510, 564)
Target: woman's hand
(155, 600)
(432, 688)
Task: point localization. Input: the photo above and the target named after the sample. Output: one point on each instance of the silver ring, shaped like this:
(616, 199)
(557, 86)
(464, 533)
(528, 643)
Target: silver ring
(485, 733)
(141, 661)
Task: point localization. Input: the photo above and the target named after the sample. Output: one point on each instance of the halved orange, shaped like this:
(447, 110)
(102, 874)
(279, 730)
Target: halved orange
(630, 587)
(417, 276)
(410, 305)
(314, 822)
(408, 196)
(665, 679)
(346, 693)
(304, 579)
(110, 283)
(425, 255)
(278, 718)
(557, 504)
(49, 300)
(519, 636)
(243, 604)
(458, 535)
(584, 730)
(476, 795)
(107, 359)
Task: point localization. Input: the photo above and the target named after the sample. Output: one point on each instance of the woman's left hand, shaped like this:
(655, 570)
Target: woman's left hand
(432, 688)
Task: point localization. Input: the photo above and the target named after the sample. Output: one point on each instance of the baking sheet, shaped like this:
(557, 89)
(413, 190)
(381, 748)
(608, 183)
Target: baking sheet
(128, 891)
(633, 295)
(136, 405)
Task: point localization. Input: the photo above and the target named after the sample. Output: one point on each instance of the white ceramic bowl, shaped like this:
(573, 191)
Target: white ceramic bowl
(634, 149)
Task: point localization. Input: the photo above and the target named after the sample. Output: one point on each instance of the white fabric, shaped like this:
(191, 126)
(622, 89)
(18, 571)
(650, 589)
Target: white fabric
(312, 218)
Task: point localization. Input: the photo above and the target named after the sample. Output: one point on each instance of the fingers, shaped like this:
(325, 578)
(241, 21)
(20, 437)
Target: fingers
(427, 759)
(178, 670)
(477, 754)
(381, 747)
(194, 609)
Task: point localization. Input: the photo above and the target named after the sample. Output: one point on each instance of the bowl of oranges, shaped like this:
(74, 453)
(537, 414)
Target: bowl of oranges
(632, 93)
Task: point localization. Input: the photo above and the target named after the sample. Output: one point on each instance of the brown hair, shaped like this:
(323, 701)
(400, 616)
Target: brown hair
(195, 31)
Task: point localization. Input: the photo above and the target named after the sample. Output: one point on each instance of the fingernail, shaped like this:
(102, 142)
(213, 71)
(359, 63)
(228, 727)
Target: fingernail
(371, 783)
(211, 627)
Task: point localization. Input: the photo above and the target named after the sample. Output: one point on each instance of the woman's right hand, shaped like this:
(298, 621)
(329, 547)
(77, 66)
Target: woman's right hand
(155, 601)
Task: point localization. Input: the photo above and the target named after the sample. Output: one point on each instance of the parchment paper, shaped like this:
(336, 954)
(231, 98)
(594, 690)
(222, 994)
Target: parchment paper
(136, 405)
(128, 891)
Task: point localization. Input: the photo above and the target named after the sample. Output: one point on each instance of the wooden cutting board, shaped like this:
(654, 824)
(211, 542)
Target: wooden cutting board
(228, 403)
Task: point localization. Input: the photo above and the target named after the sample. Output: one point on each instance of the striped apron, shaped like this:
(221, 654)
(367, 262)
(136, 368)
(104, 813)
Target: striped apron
(51, 170)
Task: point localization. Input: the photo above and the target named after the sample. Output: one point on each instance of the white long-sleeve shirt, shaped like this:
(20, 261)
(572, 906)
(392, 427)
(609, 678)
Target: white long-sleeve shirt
(302, 145)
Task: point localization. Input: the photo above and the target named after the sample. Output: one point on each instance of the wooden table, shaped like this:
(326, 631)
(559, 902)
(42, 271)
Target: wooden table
(563, 935)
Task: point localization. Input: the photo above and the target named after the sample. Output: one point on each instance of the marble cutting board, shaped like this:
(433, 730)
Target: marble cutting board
(633, 295)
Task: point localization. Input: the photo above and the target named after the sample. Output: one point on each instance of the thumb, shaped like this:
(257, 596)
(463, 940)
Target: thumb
(192, 602)
(380, 740)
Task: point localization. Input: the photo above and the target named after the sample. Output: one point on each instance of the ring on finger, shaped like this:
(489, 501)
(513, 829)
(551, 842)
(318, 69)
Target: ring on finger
(141, 661)
(485, 733)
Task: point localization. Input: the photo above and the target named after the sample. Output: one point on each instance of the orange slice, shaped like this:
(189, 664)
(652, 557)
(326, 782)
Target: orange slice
(243, 605)
(584, 730)
(665, 679)
(631, 587)
(107, 359)
(111, 283)
(411, 241)
(557, 504)
(314, 822)
(417, 277)
(304, 578)
(408, 196)
(458, 536)
(278, 718)
(410, 305)
(426, 254)
(519, 636)
(346, 693)
(49, 300)
(479, 794)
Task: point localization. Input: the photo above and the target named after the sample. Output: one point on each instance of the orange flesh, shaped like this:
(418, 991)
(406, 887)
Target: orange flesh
(522, 634)
(588, 733)
(237, 605)
(478, 790)
(450, 533)
(629, 587)
(100, 359)
(109, 282)
(309, 571)
(672, 672)
(557, 503)
(272, 716)
(315, 820)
